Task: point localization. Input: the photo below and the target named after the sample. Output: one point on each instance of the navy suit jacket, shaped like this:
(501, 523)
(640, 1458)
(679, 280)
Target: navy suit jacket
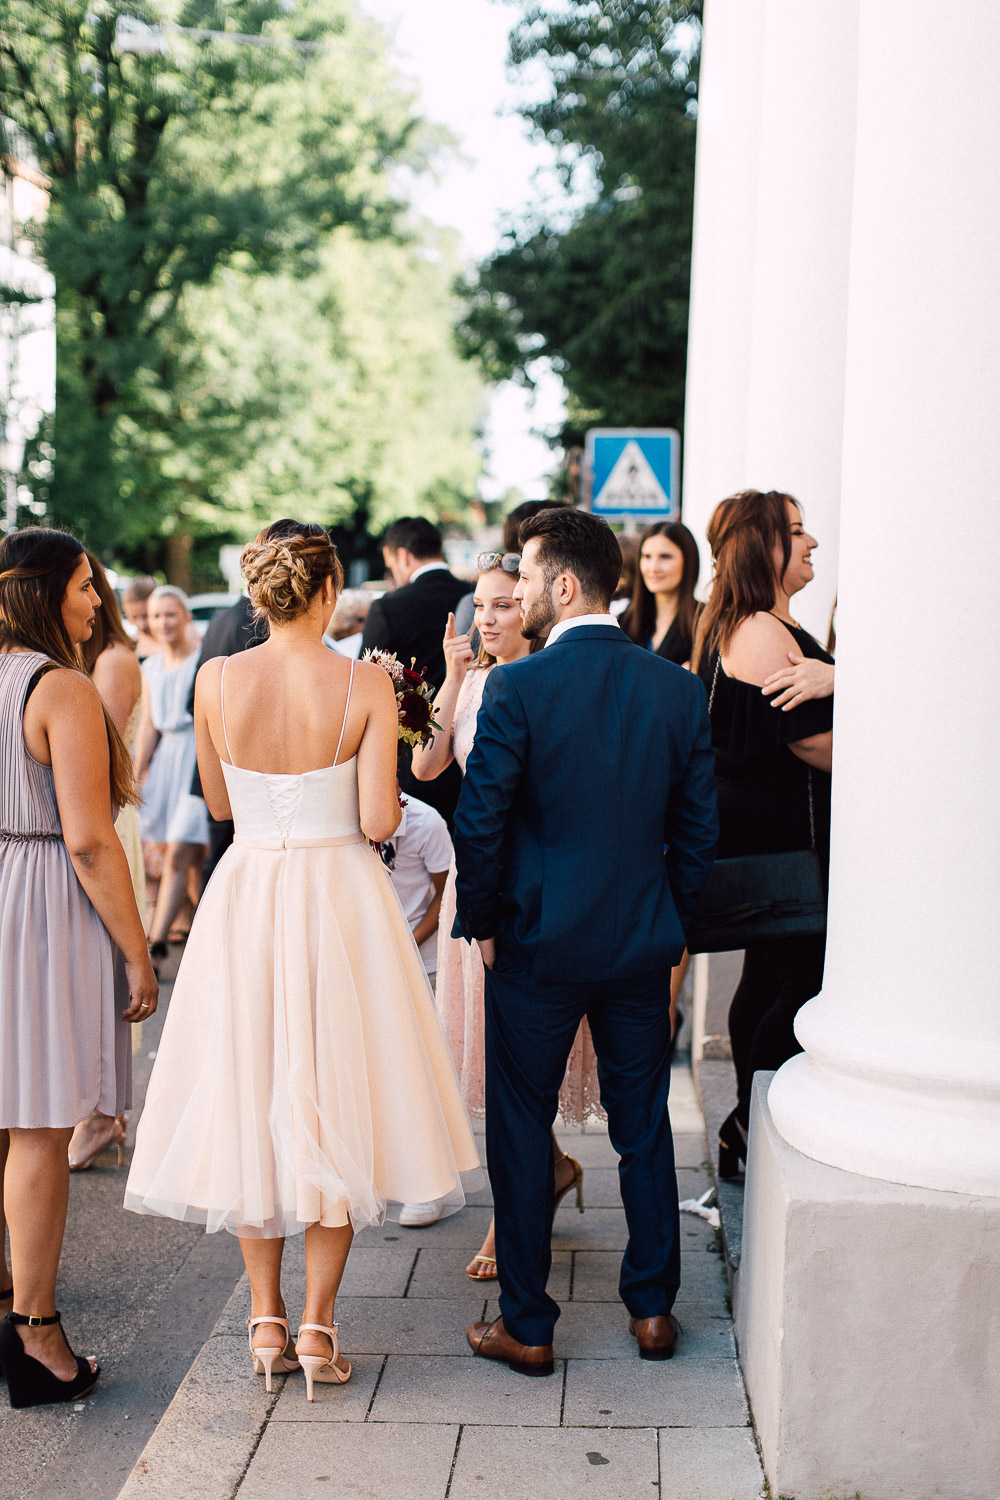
(589, 758)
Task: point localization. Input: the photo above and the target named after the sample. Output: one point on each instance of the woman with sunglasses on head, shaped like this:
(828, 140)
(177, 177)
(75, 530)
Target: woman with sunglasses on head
(73, 963)
(460, 975)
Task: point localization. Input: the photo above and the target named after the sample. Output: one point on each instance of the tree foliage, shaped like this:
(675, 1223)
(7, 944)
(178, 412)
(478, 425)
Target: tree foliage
(197, 198)
(606, 296)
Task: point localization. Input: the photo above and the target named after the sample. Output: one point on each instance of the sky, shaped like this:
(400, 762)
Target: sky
(455, 51)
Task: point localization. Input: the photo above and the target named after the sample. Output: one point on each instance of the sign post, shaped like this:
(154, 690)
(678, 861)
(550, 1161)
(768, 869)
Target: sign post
(634, 473)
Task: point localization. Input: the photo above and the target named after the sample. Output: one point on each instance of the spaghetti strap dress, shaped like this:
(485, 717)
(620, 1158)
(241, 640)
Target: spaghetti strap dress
(301, 1077)
(64, 1048)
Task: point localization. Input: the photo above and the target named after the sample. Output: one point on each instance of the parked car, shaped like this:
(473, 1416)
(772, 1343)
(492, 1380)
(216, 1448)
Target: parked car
(204, 606)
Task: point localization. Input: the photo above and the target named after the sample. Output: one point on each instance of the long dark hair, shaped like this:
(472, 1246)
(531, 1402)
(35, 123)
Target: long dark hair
(639, 620)
(108, 627)
(743, 533)
(36, 566)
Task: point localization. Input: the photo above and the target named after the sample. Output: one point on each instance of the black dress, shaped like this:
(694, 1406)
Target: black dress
(674, 647)
(764, 797)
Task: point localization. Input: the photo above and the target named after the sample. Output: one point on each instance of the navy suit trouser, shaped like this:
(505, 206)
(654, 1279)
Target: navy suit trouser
(530, 1028)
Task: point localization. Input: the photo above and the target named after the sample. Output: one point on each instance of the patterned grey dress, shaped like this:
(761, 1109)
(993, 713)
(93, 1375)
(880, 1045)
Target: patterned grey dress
(64, 1049)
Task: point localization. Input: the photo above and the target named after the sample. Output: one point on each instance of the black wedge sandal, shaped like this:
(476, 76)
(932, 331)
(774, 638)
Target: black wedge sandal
(29, 1382)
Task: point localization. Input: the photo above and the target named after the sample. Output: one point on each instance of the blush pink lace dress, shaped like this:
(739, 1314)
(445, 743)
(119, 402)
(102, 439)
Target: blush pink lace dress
(460, 974)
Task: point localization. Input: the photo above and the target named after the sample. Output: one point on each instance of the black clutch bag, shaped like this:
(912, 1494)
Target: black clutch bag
(756, 896)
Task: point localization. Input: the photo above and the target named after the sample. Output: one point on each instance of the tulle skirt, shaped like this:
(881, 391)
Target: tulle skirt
(302, 1076)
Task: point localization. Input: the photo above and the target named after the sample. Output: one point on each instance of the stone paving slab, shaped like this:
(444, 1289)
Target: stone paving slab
(466, 1390)
(596, 1272)
(679, 1392)
(715, 1463)
(574, 1463)
(202, 1445)
(441, 1273)
(422, 1418)
(465, 1228)
(365, 1461)
(331, 1403)
(416, 1325)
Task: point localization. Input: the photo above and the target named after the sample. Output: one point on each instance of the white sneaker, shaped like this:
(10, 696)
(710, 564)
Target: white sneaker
(415, 1215)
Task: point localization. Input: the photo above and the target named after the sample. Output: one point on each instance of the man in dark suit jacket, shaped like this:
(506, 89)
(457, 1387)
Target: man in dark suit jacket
(584, 833)
(410, 621)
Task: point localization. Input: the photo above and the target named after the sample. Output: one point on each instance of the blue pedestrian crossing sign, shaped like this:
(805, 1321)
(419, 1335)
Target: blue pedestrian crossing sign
(634, 471)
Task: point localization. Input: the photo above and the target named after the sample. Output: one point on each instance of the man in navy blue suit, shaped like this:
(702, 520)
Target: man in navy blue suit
(584, 832)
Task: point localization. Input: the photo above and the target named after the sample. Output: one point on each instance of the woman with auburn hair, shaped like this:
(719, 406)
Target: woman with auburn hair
(773, 759)
(663, 612)
(73, 962)
(302, 1084)
(111, 659)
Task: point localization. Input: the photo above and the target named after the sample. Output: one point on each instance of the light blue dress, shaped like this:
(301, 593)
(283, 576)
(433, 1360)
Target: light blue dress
(170, 814)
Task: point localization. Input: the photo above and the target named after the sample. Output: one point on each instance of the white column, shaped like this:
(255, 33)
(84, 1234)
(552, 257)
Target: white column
(795, 381)
(900, 1079)
(725, 210)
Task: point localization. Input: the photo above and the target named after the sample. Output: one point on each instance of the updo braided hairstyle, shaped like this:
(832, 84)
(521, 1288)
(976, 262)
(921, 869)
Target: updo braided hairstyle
(285, 568)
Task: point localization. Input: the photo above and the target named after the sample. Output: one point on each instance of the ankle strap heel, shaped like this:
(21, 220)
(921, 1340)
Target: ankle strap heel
(29, 1381)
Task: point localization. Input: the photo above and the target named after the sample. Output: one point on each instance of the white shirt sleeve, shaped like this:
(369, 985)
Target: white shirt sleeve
(435, 843)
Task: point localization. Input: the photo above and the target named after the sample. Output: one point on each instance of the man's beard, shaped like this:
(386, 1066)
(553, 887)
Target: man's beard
(537, 621)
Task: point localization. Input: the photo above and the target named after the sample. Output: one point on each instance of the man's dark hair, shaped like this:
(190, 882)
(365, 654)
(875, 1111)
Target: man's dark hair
(574, 541)
(515, 519)
(417, 535)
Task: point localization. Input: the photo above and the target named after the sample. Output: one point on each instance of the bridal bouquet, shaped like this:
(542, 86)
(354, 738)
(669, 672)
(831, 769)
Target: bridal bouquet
(414, 698)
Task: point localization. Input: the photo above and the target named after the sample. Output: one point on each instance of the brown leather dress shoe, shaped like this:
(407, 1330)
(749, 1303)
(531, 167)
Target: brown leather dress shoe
(656, 1337)
(492, 1341)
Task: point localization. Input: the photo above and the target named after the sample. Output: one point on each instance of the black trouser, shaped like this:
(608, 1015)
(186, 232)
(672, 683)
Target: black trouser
(530, 1029)
(778, 977)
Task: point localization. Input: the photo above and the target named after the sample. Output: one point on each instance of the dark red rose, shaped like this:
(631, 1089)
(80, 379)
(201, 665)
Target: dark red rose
(412, 677)
(414, 711)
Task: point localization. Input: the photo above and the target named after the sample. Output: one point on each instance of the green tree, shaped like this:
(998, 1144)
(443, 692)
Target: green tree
(166, 168)
(312, 394)
(606, 296)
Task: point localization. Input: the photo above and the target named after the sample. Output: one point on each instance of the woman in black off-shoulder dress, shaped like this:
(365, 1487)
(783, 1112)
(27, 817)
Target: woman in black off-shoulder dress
(771, 690)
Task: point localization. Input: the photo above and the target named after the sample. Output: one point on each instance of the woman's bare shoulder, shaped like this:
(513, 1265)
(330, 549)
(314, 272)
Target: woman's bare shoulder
(760, 646)
(62, 689)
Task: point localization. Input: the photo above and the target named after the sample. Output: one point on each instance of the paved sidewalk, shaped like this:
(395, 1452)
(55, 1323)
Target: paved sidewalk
(421, 1419)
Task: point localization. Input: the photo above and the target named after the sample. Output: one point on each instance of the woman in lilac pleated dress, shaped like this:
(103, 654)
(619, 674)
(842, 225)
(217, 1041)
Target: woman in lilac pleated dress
(74, 970)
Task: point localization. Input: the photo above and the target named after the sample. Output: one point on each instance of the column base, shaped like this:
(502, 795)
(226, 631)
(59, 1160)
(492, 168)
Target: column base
(868, 1324)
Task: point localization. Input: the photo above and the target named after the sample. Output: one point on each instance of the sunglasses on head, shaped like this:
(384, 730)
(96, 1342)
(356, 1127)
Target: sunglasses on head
(509, 561)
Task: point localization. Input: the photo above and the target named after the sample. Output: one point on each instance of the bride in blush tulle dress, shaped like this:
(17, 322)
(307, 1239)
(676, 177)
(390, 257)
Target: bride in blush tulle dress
(461, 981)
(302, 1082)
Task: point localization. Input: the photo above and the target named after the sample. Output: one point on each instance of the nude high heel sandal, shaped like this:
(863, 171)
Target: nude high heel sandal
(318, 1366)
(269, 1360)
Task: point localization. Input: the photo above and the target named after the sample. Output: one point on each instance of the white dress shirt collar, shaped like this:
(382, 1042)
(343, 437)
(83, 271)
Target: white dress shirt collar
(427, 568)
(564, 625)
